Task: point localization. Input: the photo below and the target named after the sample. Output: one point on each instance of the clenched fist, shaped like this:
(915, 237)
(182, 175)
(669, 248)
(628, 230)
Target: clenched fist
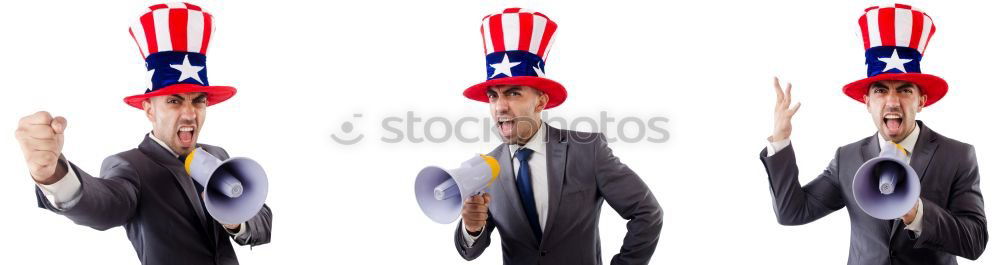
(41, 139)
(474, 212)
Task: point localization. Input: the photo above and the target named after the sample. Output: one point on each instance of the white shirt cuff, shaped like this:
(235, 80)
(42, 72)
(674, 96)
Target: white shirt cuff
(239, 232)
(65, 193)
(774, 147)
(469, 239)
(917, 225)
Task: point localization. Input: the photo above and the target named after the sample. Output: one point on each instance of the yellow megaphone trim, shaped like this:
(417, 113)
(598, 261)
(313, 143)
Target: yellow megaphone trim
(187, 161)
(494, 167)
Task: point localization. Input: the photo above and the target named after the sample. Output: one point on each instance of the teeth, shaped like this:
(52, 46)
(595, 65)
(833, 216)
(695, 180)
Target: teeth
(187, 129)
(893, 116)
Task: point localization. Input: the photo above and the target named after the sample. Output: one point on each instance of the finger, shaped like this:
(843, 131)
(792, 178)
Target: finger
(38, 132)
(795, 109)
(476, 218)
(474, 199)
(476, 208)
(41, 117)
(42, 145)
(59, 124)
(487, 198)
(788, 94)
(777, 90)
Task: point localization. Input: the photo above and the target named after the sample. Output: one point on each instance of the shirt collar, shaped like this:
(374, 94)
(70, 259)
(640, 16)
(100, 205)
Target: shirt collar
(536, 143)
(908, 143)
(162, 144)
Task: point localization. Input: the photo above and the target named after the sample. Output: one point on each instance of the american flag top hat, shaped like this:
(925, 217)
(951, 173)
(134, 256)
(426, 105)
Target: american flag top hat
(173, 39)
(895, 39)
(516, 43)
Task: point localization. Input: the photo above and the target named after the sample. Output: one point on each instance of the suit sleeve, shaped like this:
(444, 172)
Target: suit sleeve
(258, 227)
(959, 227)
(104, 202)
(793, 203)
(628, 195)
(471, 253)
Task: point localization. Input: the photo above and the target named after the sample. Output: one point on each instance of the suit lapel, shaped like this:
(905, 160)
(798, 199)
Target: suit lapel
(510, 192)
(161, 156)
(869, 149)
(923, 150)
(555, 158)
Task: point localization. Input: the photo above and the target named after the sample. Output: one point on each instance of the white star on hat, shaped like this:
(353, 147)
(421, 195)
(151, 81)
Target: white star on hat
(503, 67)
(894, 62)
(538, 70)
(149, 78)
(188, 70)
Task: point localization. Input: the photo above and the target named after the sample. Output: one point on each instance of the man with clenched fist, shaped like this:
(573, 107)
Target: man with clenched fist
(553, 182)
(147, 189)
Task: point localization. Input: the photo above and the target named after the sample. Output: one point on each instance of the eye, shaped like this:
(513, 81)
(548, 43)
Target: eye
(173, 101)
(514, 93)
(200, 101)
(906, 90)
(880, 90)
(491, 96)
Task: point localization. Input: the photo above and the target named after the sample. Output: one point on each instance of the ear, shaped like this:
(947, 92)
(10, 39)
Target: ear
(147, 107)
(543, 100)
(923, 102)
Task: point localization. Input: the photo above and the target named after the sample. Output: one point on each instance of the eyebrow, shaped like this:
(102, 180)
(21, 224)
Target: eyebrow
(513, 89)
(878, 85)
(907, 85)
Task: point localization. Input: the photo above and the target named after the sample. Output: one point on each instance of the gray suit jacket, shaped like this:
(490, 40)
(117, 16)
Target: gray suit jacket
(147, 191)
(582, 174)
(954, 222)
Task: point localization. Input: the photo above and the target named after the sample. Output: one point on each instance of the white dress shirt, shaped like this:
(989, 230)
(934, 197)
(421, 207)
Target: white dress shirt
(65, 193)
(539, 178)
(908, 143)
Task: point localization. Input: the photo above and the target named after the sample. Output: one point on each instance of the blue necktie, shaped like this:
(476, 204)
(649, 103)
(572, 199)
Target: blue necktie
(526, 192)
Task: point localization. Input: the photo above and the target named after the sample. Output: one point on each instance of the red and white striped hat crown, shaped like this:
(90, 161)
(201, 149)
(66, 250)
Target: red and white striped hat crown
(173, 39)
(178, 27)
(518, 29)
(900, 26)
(895, 39)
(517, 44)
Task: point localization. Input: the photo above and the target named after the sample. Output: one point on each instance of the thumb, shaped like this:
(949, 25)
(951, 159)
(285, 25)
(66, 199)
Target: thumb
(59, 124)
(487, 198)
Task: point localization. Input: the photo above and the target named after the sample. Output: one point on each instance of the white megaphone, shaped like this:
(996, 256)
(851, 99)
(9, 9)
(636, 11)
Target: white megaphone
(235, 189)
(441, 192)
(886, 187)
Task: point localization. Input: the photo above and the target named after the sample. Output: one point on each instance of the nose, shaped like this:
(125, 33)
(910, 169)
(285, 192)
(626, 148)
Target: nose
(189, 112)
(892, 100)
(500, 105)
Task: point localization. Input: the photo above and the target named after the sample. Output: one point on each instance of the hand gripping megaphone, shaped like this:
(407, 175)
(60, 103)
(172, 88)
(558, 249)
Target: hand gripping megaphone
(441, 192)
(886, 187)
(235, 189)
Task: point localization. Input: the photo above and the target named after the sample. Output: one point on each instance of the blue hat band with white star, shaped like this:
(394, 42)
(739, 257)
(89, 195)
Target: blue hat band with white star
(514, 63)
(892, 59)
(171, 67)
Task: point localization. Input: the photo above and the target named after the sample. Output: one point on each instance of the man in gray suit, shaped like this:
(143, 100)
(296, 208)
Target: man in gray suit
(547, 200)
(947, 220)
(147, 189)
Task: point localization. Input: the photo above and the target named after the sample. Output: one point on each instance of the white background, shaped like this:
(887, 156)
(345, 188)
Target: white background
(303, 68)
